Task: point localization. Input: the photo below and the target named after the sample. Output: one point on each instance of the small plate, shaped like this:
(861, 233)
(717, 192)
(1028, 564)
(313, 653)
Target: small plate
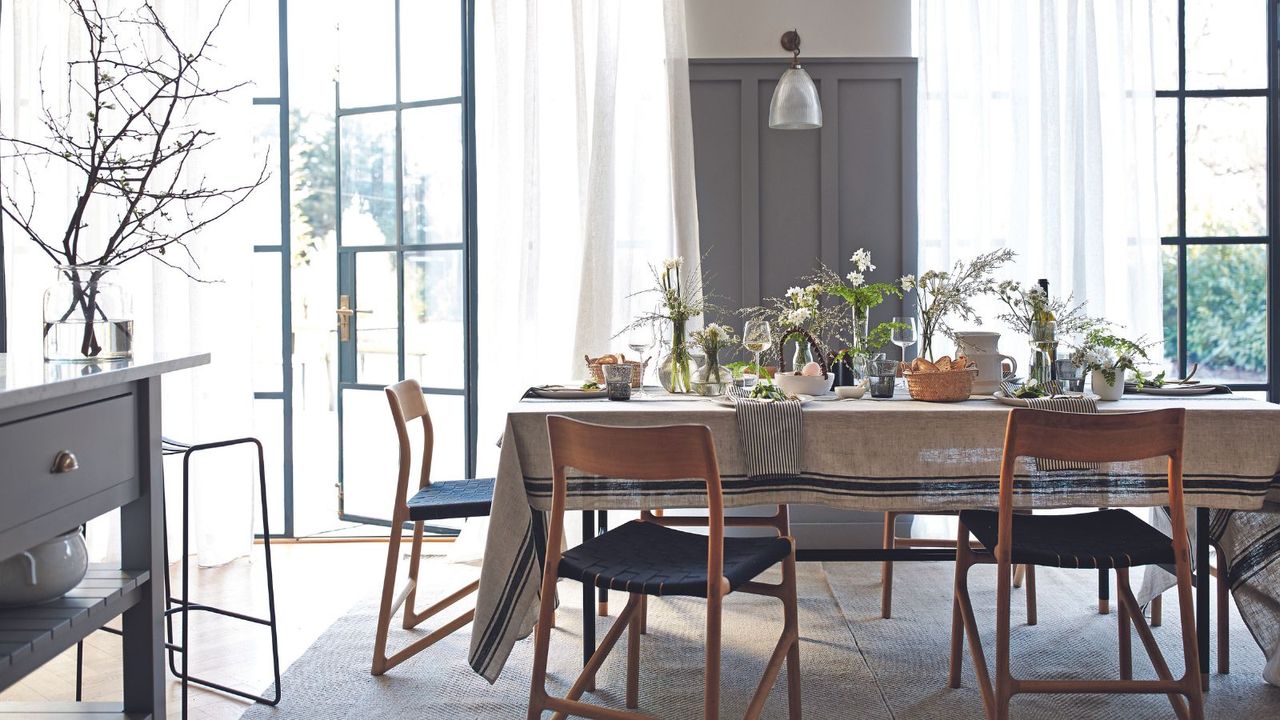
(1022, 402)
(729, 402)
(567, 392)
(1178, 390)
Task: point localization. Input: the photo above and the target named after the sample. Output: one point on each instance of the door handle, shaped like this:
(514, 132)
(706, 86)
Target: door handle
(345, 311)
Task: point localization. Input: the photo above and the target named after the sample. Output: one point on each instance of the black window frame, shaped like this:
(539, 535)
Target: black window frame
(1181, 241)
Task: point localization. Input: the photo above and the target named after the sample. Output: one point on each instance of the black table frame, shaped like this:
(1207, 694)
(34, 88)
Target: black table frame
(596, 522)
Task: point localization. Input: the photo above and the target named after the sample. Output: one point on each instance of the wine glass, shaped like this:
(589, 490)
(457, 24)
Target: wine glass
(905, 334)
(639, 339)
(756, 338)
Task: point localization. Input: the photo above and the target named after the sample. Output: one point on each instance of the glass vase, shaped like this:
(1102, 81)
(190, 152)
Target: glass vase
(712, 378)
(87, 316)
(675, 371)
(1044, 346)
(861, 329)
(803, 355)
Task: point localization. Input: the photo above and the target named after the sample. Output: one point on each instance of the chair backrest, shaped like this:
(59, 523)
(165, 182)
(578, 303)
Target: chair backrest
(1093, 438)
(408, 404)
(648, 453)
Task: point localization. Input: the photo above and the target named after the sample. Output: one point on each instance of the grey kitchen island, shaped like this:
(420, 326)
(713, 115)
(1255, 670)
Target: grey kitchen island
(78, 440)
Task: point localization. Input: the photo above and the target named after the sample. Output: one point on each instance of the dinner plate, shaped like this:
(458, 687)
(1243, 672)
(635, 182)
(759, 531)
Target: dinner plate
(729, 402)
(1177, 390)
(567, 392)
(1022, 402)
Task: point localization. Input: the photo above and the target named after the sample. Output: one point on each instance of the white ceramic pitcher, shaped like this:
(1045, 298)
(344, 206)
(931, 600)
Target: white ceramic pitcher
(982, 347)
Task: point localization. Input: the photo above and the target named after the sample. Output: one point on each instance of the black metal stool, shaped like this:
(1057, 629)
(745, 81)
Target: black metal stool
(181, 605)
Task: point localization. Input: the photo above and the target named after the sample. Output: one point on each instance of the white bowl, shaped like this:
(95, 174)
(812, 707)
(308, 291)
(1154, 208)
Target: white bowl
(802, 384)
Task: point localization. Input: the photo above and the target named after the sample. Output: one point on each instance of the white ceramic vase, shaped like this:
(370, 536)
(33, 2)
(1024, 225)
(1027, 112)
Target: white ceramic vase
(1105, 391)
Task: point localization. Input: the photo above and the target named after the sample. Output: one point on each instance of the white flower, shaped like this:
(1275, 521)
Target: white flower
(855, 279)
(799, 316)
(908, 282)
(673, 263)
(861, 260)
(794, 292)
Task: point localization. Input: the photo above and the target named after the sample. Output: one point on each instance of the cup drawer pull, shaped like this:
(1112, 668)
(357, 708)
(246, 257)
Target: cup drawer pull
(64, 462)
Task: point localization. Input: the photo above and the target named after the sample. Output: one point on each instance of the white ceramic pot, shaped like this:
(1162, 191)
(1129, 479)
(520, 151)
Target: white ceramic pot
(982, 348)
(803, 384)
(45, 572)
(1105, 391)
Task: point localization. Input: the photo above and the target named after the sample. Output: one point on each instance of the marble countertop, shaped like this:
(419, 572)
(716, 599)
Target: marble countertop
(26, 379)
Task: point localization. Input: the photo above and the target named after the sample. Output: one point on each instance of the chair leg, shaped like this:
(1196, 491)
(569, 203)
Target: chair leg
(1019, 574)
(1031, 594)
(644, 615)
(1190, 640)
(410, 620)
(633, 654)
(388, 590)
(711, 678)
(963, 554)
(1157, 611)
(886, 568)
(1224, 617)
(1122, 626)
(1003, 679)
(1104, 593)
(791, 613)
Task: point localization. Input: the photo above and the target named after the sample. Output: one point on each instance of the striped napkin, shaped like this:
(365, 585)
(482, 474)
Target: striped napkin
(1075, 404)
(771, 436)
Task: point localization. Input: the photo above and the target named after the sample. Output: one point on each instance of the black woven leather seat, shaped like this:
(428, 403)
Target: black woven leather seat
(644, 557)
(452, 499)
(1101, 539)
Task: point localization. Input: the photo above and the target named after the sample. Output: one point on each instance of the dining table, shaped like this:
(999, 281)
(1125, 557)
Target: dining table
(894, 454)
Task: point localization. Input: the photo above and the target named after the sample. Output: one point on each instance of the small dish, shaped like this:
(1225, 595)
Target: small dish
(851, 392)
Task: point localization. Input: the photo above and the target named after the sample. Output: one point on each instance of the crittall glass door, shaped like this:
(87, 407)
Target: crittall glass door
(404, 240)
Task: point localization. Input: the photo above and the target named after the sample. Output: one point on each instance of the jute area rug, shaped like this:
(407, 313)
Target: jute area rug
(854, 664)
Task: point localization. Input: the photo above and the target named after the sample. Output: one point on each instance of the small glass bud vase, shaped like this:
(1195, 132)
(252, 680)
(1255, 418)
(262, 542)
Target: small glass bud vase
(712, 378)
(87, 316)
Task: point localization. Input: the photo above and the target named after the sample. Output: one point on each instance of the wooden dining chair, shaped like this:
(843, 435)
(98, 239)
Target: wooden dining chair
(447, 500)
(1220, 572)
(1115, 539)
(892, 540)
(646, 557)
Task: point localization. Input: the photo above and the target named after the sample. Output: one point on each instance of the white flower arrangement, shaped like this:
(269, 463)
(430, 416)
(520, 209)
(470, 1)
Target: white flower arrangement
(856, 278)
(861, 260)
(908, 282)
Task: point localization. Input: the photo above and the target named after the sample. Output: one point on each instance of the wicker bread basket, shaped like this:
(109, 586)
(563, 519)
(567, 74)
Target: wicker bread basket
(597, 372)
(940, 386)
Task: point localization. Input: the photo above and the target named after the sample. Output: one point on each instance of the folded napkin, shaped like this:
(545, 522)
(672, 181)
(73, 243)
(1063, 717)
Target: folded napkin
(771, 437)
(1075, 404)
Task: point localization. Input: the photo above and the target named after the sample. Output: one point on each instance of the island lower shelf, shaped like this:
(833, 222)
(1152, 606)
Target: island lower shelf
(31, 636)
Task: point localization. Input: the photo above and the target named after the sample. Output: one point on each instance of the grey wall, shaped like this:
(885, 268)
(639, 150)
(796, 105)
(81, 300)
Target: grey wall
(773, 203)
(828, 28)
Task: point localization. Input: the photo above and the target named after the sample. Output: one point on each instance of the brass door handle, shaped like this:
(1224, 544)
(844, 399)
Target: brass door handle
(345, 311)
(64, 462)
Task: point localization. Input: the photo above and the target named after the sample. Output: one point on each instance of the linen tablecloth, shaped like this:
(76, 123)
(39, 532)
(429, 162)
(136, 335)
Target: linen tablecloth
(874, 455)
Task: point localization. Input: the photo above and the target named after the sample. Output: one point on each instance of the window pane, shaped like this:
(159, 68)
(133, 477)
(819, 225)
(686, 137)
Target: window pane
(367, 53)
(369, 179)
(1167, 164)
(376, 320)
(1226, 166)
(1226, 44)
(1164, 30)
(433, 175)
(264, 26)
(430, 49)
(1169, 268)
(266, 322)
(1227, 311)
(433, 302)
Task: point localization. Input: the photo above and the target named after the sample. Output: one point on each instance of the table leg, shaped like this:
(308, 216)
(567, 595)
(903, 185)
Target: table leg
(601, 528)
(1104, 592)
(588, 596)
(1202, 591)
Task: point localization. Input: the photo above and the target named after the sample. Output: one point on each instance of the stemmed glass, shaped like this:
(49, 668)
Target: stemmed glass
(757, 337)
(905, 334)
(639, 339)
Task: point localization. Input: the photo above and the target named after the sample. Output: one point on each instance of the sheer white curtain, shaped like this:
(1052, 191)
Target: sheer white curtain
(585, 171)
(172, 313)
(1037, 133)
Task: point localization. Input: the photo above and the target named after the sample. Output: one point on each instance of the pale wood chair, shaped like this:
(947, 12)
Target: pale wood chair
(892, 540)
(646, 557)
(1113, 539)
(432, 501)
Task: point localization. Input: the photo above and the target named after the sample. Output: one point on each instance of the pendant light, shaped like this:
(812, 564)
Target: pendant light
(795, 103)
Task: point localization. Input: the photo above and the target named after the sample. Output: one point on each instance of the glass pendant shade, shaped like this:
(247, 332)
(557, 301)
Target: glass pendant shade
(795, 103)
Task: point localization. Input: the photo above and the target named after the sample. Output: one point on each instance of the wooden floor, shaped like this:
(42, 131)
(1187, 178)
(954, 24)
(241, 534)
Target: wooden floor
(315, 584)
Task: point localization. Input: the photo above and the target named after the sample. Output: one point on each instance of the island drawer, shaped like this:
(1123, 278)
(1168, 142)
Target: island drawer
(101, 437)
